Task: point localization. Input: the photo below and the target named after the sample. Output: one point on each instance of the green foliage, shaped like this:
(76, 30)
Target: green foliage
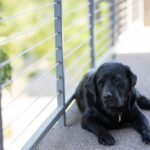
(11, 27)
(5, 72)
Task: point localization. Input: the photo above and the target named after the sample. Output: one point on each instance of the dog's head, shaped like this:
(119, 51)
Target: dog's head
(112, 85)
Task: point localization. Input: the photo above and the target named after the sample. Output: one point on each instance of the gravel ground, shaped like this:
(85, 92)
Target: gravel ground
(73, 137)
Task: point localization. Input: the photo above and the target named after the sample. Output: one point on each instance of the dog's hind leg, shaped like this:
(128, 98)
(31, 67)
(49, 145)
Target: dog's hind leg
(143, 102)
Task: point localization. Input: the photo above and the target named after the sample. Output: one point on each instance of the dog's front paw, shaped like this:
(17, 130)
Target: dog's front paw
(146, 137)
(106, 139)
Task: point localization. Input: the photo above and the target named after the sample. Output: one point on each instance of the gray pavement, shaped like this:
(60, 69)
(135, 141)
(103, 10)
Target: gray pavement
(73, 137)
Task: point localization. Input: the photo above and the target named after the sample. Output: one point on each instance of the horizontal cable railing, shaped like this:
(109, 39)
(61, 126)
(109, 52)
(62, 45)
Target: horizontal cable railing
(107, 36)
(25, 12)
(76, 23)
(31, 84)
(25, 32)
(76, 9)
(81, 69)
(103, 18)
(102, 9)
(27, 69)
(107, 46)
(24, 129)
(76, 35)
(101, 30)
(77, 61)
(27, 50)
(13, 80)
(28, 106)
(76, 48)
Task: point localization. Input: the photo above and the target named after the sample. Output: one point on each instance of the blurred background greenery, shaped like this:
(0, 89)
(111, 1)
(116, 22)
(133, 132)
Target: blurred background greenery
(24, 31)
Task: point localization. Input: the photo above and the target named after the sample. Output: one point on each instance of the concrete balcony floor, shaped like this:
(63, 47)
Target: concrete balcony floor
(73, 137)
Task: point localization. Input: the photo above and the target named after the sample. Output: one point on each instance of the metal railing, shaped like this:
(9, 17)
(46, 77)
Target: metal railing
(91, 38)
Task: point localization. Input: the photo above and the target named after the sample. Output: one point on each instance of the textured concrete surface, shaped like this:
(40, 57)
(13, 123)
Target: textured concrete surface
(73, 137)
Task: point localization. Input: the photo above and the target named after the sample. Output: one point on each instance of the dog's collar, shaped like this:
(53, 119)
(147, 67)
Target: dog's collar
(119, 114)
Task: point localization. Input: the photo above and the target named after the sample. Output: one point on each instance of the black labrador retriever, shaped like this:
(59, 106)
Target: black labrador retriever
(108, 100)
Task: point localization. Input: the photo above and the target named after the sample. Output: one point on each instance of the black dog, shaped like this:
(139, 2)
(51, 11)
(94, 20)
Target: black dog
(108, 100)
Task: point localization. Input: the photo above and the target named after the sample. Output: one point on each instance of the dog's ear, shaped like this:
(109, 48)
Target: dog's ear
(132, 77)
(91, 87)
(132, 82)
(131, 100)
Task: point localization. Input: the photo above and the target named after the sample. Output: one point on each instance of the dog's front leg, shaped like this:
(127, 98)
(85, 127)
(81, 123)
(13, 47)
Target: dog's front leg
(141, 125)
(90, 124)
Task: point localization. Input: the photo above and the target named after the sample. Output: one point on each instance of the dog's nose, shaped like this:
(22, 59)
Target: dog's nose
(107, 96)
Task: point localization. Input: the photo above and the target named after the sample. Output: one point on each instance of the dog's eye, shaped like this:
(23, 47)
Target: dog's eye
(119, 82)
(117, 79)
(101, 82)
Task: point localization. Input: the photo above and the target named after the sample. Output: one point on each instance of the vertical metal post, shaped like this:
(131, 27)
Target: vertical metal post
(1, 124)
(59, 58)
(114, 21)
(92, 37)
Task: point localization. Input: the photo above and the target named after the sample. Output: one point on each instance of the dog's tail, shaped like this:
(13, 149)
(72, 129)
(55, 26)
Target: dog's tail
(79, 103)
(69, 101)
(143, 102)
(73, 96)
